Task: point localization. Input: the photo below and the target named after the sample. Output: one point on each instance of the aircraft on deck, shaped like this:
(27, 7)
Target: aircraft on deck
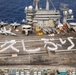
(15, 25)
(73, 26)
(72, 23)
(2, 24)
(6, 32)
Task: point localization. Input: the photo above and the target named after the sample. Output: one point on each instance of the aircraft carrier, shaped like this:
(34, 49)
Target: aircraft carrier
(45, 46)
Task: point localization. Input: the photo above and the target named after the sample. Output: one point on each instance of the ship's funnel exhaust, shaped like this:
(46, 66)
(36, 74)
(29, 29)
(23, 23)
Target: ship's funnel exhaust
(36, 3)
(47, 4)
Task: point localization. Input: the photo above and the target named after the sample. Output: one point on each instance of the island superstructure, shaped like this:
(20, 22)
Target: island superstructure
(47, 17)
(39, 17)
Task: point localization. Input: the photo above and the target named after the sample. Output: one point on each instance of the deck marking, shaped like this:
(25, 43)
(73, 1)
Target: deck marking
(62, 42)
(23, 45)
(47, 44)
(12, 42)
(72, 44)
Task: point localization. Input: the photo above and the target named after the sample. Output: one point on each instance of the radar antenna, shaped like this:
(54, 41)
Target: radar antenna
(64, 7)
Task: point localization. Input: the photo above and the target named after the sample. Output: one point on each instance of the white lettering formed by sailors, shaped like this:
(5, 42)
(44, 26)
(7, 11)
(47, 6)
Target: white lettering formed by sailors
(72, 44)
(47, 44)
(50, 42)
(30, 50)
(11, 43)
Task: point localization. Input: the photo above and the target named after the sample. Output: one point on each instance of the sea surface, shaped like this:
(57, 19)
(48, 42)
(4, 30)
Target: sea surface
(13, 10)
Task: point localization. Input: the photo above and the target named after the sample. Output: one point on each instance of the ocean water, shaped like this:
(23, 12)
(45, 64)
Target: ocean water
(13, 10)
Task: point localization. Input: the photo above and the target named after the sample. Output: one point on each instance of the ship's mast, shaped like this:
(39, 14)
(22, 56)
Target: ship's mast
(36, 3)
(47, 4)
(67, 13)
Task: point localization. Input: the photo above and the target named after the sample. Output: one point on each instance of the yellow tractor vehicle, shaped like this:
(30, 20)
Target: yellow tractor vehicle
(39, 31)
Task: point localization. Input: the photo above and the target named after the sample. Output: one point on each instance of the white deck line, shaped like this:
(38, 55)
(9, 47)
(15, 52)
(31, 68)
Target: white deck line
(65, 50)
(35, 40)
(23, 45)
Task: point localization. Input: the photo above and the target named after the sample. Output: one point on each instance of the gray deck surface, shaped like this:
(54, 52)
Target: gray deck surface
(43, 57)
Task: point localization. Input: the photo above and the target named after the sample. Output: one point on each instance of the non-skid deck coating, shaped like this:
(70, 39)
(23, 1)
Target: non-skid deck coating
(42, 57)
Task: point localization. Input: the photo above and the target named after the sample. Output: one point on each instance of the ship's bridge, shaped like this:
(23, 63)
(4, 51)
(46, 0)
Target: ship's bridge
(43, 16)
(47, 14)
(47, 11)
